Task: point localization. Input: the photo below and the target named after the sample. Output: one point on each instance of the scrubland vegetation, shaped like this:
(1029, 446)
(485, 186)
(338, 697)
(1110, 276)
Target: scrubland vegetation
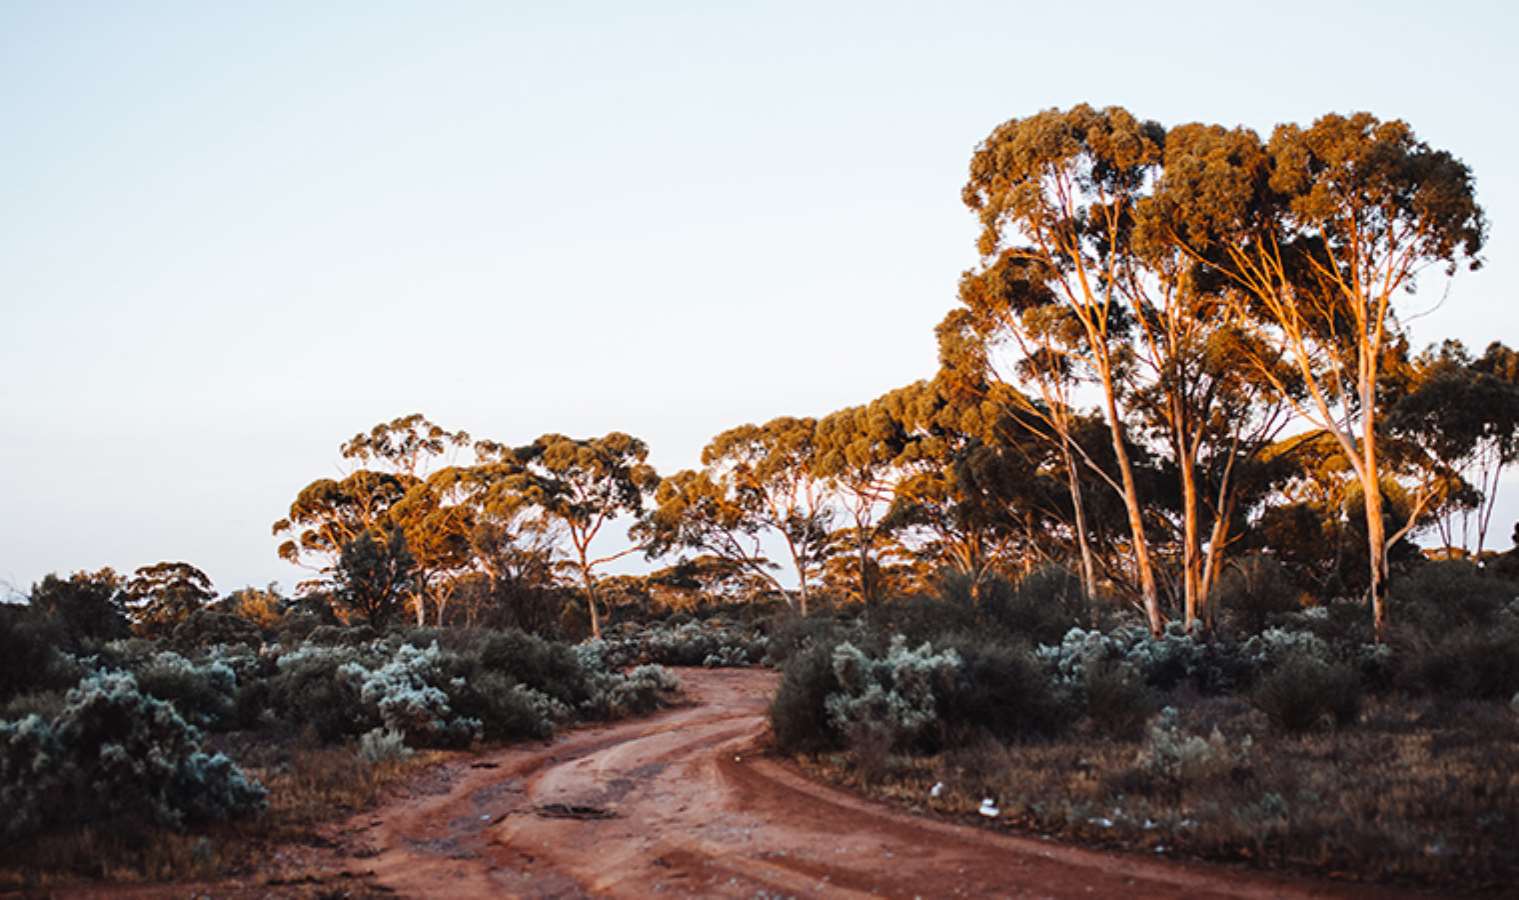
(1300, 743)
(1137, 564)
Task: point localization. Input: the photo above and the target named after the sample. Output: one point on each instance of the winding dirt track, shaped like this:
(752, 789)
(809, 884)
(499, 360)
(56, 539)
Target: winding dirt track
(685, 803)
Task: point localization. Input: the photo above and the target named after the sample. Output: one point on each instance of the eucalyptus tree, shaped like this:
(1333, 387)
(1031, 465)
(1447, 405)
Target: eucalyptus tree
(756, 482)
(389, 486)
(707, 513)
(1009, 304)
(580, 484)
(165, 594)
(970, 494)
(1056, 192)
(1463, 415)
(1317, 232)
(857, 448)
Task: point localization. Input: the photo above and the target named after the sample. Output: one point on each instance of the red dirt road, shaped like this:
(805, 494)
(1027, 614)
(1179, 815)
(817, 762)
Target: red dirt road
(685, 804)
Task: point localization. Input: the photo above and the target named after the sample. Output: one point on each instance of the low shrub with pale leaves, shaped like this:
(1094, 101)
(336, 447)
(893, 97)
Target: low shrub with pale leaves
(115, 752)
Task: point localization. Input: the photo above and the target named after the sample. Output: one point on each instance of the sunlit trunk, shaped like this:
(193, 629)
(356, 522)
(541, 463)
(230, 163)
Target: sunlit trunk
(1376, 541)
(1148, 589)
(1191, 549)
(1073, 483)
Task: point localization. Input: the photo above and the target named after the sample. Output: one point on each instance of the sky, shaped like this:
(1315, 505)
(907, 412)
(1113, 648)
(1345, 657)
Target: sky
(233, 235)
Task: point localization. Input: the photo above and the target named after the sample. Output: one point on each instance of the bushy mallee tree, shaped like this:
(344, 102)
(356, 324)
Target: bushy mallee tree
(757, 481)
(391, 486)
(374, 575)
(165, 594)
(90, 606)
(581, 484)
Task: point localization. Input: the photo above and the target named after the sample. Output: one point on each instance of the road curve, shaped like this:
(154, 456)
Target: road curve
(686, 803)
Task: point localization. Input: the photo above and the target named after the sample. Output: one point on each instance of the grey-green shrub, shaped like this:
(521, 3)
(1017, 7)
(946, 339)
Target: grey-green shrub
(1170, 752)
(205, 694)
(382, 745)
(115, 752)
(895, 695)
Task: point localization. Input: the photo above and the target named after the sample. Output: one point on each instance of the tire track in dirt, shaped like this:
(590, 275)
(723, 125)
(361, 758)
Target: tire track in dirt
(686, 803)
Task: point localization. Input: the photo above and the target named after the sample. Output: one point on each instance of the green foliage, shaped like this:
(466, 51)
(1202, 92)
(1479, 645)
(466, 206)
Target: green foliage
(1174, 755)
(205, 695)
(90, 607)
(998, 689)
(1254, 590)
(1302, 692)
(709, 642)
(383, 745)
(375, 573)
(798, 714)
(894, 696)
(208, 628)
(1117, 700)
(28, 651)
(1440, 595)
(1469, 661)
(115, 753)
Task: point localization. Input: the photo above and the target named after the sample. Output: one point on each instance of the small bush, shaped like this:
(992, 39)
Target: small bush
(798, 715)
(896, 694)
(205, 695)
(383, 745)
(1304, 691)
(998, 689)
(1117, 700)
(1475, 662)
(403, 692)
(306, 691)
(115, 752)
(1172, 754)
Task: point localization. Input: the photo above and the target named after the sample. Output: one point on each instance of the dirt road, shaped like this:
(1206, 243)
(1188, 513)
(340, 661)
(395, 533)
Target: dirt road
(685, 804)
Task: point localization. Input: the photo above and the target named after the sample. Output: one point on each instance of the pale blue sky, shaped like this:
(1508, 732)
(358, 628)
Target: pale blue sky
(233, 235)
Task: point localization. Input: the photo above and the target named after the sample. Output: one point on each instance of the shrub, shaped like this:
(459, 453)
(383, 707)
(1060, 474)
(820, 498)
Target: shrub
(305, 690)
(404, 694)
(27, 648)
(1472, 661)
(896, 694)
(1117, 700)
(1303, 691)
(997, 689)
(206, 695)
(1165, 662)
(206, 628)
(1173, 754)
(791, 634)
(798, 716)
(114, 752)
(1438, 596)
(1043, 606)
(382, 745)
(545, 666)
